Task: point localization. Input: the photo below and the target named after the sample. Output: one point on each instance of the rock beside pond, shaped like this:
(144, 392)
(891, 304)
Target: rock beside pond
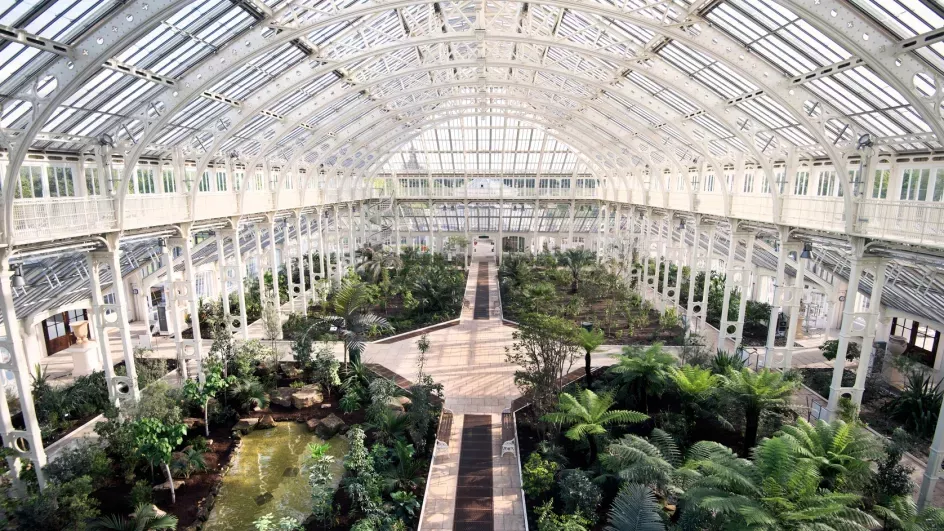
(282, 396)
(290, 370)
(166, 485)
(193, 422)
(307, 396)
(312, 424)
(265, 423)
(329, 426)
(245, 425)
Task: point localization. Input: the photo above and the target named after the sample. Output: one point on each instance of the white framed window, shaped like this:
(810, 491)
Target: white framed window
(221, 181)
(880, 184)
(802, 183)
(748, 182)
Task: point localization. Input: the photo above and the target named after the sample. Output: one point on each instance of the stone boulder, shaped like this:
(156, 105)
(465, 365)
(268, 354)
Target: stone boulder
(193, 422)
(166, 485)
(265, 423)
(329, 426)
(312, 424)
(282, 396)
(307, 396)
(246, 425)
(290, 370)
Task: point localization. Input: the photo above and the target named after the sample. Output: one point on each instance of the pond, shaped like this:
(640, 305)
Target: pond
(269, 476)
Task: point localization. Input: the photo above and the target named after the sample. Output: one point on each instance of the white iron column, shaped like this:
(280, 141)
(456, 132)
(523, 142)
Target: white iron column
(171, 309)
(193, 349)
(871, 318)
(795, 295)
(570, 228)
(846, 334)
(702, 311)
(99, 317)
(274, 270)
(238, 271)
(396, 224)
(311, 255)
(26, 444)
(351, 242)
(535, 221)
(643, 284)
(338, 245)
(693, 269)
(124, 386)
(286, 253)
(301, 263)
(737, 276)
(657, 243)
(260, 264)
(429, 227)
(501, 231)
(676, 254)
(779, 290)
(221, 267)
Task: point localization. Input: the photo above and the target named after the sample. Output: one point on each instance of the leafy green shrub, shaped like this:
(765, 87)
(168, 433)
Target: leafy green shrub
(725, 361)
(549, 521)
(85, 459)
(60, 506)
(579, 494)
(141, 492)
(892, 479)
(538, 475)
(918, 405)
(831, 348)
(149, 370)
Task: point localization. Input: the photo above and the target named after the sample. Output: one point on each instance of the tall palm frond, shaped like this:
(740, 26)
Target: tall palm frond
(757, 392)
(648, 370)
(635, 509)
(144, 518)
(352, 319)
(649, 462)
(575, 260)
(375, 260)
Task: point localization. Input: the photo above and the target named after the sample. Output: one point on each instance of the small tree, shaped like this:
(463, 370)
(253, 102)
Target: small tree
(155, 441)
(545, 348)
(319, 477)
(214, 383)
(326, 367)
(831, 348)
(422, 345)
(589, 341)
(271, 322)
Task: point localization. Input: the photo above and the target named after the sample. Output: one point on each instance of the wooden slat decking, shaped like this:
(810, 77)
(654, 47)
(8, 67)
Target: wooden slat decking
(481, 293)
(474, 504)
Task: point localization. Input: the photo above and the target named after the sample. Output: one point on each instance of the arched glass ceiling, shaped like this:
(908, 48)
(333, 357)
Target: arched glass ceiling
(304, 81)
(484, 145)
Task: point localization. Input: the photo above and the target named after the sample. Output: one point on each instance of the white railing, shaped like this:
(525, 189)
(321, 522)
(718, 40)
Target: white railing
(258, 201)
(147, 210)
(753, 207)
(818, 213)
(58, 217)
(911, 221)
(216, 205)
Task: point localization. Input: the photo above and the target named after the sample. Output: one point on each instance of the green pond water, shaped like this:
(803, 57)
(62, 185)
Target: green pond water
(269, 476)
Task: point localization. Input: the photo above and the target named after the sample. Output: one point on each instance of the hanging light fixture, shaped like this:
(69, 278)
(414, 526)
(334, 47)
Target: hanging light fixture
(162, 243)
(807, 247)
(681, 224)
(17, 280)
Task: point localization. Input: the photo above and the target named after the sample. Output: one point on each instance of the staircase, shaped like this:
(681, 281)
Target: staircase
(380, 214)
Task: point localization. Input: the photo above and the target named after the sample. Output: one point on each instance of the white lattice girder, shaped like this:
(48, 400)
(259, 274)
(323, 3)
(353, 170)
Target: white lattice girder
(123, 32)
(706, 41)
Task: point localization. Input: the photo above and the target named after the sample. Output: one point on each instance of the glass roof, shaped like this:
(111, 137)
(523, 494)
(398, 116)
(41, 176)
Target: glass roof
(328, 67)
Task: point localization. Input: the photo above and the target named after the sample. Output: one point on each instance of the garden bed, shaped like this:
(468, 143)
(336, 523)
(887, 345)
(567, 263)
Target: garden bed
(876, 398)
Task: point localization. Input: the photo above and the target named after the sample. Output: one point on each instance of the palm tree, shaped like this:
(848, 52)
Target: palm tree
(407, 473)
(144, 518)
(588, 414)
(777, 491)
(651, 462)
(390, 426)
(589, 340)
(842, 452)
(902, 514)
(758, 392)
(647, 369)
(575, 260)
(352, 319)
(375, 260)
(635, 509)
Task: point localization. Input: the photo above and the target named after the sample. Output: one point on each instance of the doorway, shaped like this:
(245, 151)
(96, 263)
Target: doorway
(58, 333)
(482, 247)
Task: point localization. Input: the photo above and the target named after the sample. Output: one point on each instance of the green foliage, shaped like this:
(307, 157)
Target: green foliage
(892, 479)
(778, 490)
(587, 416)
(269, 523)
(831, 347)
(84, 459)
(59, 507)
(141, 492)
(326, 367)
(405, 472)
(214, 383)
(321, 481)
(580, 495)
(155, 440)
(575, 260)
(58, 407)
(725, 361)
(901, 513)
(544, 349)
(538, 475)
(550, 521)
(362, 483)
(187, 461)
(651, 462)
(757, 393)
(635, 509)
(842, 452)
(918, 405)
(118, 440)
(405, 505)
(159, 401)
(352, 318)
(390, 426)
(247, 393)
(144, 518)
(149, 370)
(645, 370)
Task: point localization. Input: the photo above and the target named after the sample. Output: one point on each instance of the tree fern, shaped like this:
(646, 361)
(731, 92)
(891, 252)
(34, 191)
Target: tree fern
(587, 414)
(635, 509)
